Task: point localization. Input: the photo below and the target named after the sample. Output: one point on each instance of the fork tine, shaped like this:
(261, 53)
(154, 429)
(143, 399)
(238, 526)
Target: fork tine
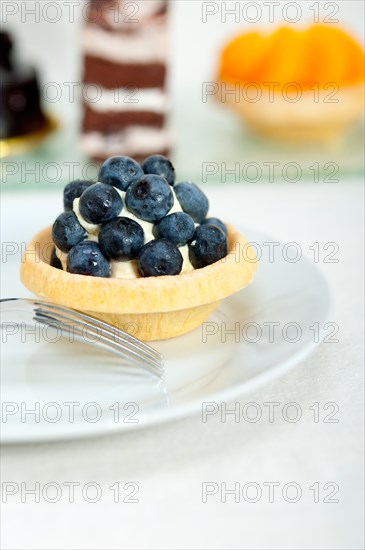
(108, 328)
(117, 347)
(97, 331)
(68, 319)
(65, 328)
(116, 338)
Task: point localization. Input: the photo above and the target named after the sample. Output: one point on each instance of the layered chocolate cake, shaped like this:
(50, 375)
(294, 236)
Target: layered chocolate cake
(20, 99)
(125, 59)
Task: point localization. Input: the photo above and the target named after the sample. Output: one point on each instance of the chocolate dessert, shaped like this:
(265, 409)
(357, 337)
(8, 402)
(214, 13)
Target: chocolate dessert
(20, 97)
(125, 60)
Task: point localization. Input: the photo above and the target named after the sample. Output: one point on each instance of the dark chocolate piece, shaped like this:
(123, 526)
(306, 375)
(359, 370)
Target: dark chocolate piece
(113, 121)
(20, 97)
(111, 75)
(20, 104)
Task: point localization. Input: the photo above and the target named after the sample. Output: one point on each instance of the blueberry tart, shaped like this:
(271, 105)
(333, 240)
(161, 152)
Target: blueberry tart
(138, 250)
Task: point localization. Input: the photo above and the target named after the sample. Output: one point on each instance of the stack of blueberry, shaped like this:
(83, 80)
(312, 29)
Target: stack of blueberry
(146, 193)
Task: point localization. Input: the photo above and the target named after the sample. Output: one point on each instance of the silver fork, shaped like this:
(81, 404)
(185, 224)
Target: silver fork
(69, 320)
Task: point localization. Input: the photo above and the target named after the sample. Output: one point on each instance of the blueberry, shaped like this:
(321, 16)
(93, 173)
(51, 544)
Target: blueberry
(120, 172)
(149, 198)
(159, 257)
(161, 166)
(67, 231)
(100, 203)
(86, 258)
(192, 200)
(216, 222)
(55, 261)
(121, 239)
(73, 191)
(208, 246)
(178, 228)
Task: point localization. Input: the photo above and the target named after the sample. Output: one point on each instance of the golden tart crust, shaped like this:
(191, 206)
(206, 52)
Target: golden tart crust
(152, 308)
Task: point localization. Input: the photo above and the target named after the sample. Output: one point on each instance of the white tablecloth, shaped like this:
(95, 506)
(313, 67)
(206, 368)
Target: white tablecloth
(171, 463)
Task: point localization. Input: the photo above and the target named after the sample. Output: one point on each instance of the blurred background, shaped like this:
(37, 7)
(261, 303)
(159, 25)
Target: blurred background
(203, 131)
(171, 461)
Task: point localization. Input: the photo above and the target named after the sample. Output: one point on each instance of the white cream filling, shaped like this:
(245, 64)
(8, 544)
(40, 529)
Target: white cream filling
(149, 45)
(62, 256)
(121, 99)
(128, 269)
(91, 228)
(124, 270)
(134, 140)
(146, 226)
(186, 267)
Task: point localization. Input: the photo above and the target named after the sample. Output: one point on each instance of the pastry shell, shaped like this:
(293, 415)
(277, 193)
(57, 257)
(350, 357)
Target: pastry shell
(152, 308)
(314, 118)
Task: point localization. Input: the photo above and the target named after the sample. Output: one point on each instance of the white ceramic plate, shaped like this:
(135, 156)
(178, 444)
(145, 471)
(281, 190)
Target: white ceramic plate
(76, 390)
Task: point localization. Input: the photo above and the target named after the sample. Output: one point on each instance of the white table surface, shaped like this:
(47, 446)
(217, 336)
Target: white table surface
(170, 463)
